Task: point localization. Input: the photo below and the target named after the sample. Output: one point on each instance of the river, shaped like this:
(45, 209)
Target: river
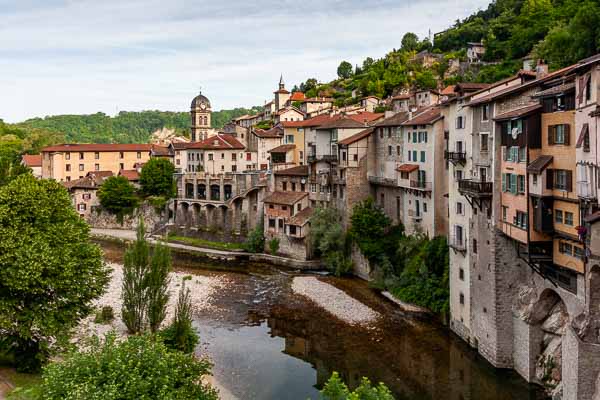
(267, 343)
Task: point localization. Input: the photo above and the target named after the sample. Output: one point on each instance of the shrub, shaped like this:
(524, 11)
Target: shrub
(336, 389)
(256, 240)
(274, 246)
(180, 335)
(104, 315)
(140, 367)
(156, 178)
(51, 272)
(329, 240)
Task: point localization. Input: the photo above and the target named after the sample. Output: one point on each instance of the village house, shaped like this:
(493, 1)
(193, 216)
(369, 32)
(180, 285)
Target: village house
(316, 106)
(401, 102)
(83, 191)
(288, 113)
(475, 51)
(66, 162)
(262, 142)
(33, 161)
(370, 103)
(218, 154)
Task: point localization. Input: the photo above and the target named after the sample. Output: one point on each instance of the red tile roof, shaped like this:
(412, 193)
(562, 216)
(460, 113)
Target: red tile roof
(286, 198)
(395, 120)
(160, 150)
(429, 116)
(366, 115)
(302, 217)
(356, 137)
(408, 168)
(401, 96)
(297, 96)
(301, 170)
(32, 160)
(217, 142)
(131, 174)
(341, 123)
(98, 147)
(284, 148)
(275, 132)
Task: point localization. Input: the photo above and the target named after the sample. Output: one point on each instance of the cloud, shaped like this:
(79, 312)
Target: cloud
(59, 57)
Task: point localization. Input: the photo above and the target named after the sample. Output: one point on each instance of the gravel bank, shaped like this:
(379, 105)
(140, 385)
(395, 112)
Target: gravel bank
(201, 290)
(334, 300)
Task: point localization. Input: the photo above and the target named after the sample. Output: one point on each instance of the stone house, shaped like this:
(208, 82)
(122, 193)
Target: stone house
(475, 51)
(288, 113)
(370, 103)
(33, 161)
(262, 142)
(84, 191)
(316, 106)
(219, 154)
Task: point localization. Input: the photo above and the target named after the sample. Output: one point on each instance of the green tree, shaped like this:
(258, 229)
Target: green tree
(410, 41)
(328, 238)
(141, 367)
(255, 243)
(344, 70)
(425, 80)
(156, 178)
(157, 284)
(274, 246)
(180, 335)
(336, 389)
(368, 227)
(117, 196)
(49, 270)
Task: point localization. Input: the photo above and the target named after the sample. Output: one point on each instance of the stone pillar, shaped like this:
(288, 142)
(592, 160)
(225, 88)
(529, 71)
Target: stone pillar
(527, 342)
(195, 187)
(221, 189)
(580, 367)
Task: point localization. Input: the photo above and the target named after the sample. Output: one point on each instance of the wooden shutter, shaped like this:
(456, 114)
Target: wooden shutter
(551, 134)
(549, 178)
(504, 182)
(569, 180)
(580, 87)
(567, 134)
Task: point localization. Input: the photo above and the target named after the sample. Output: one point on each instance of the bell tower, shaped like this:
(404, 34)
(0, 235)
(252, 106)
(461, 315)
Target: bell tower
(200, 113)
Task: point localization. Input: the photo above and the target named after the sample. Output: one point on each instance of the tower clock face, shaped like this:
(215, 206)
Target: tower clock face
(203, 106)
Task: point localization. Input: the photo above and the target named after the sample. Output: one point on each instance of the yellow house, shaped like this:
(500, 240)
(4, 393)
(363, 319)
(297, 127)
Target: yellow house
(66, 162)
(293, 133)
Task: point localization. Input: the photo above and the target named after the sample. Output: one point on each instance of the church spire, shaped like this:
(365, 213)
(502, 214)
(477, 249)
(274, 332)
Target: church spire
(281, 83)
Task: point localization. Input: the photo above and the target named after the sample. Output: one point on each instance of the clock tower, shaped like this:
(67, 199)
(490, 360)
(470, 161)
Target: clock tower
(200, 112)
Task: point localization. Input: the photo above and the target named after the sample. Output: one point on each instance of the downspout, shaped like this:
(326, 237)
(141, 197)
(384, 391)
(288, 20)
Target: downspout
(527, 189)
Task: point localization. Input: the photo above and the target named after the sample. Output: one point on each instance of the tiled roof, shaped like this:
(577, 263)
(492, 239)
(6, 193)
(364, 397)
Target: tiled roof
(32, 160)
(366, 116)
(160, 150)
(285, 198)
(218, 142)
(297, 96)
(91, 181)
(558, 89)
(131, 174)
(98, 147)
(519, 112)
(284, 148)
(401, 97)
(356, 137)
(408, 168)
(275, 132)
(395, 120)
(180, 145)
(318, 100)
(539, 164)
(302, 217)
(470, 86)
(100, 174)
(429, 116)
(301, 170)
(342, 122)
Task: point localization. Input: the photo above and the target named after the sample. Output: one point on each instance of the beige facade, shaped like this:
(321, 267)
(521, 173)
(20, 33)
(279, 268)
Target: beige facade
(74, 161)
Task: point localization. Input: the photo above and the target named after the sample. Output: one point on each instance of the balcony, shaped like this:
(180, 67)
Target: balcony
(457, 243)
(420, 185)
(585, 190)
(380, 180)
(332, 158)
(417, 216)
(469, 187)
(456, 157)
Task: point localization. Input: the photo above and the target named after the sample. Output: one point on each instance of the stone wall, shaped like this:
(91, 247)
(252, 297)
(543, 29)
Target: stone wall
(360, 265)
(296, 248)
(103, 219)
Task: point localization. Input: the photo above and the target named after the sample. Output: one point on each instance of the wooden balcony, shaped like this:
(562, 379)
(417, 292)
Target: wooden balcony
(469, 187)
(420, 185)
(332, 158)
(456, 157)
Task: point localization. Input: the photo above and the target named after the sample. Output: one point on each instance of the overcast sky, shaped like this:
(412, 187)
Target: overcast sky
(80, 57)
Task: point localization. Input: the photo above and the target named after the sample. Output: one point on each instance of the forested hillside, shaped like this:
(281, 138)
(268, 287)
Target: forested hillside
(558, 31)
(126, 127)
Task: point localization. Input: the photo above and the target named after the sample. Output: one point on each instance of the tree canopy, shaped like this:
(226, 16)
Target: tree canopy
(118, 196)
(344, 70)
(49, 270)
(156, 178)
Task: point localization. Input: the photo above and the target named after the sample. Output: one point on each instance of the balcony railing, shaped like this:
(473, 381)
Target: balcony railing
(420, 185)
(473, 188)
(323, 157)
(415, 215)
(380, 180)
(455, 156)
(457, 243)
(585, 190)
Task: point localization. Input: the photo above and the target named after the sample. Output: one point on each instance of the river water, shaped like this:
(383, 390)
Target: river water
(267, 343)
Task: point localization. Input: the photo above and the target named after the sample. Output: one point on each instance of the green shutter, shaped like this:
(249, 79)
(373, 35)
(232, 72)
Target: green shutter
(513, 183)
(504, 182)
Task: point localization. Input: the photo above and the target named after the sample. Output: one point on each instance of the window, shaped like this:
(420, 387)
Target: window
(459, 174)
(81, 167)
(561, 179)
(120, 154)
(248, 156)
(403, 175)
(271, 222)
(522, 154)
(462, 298)
(299, 207)
(67, 156)
(139, 154)
(210, 156)
(504, 213)
(96, 155)
(97, 167)
(578, 252)
(459, 208)
(520, 219)
(389, 132)
(414, 137)
(485, 112)
(461, 274)
(281, 224)
(302, 187)
(234, 168)
(121, 166)
(293, 186)
(460, 122)
(588, 88)
(284, 208)
(81, 207)
(389, 150)
(222, 156)
(233, 156)
(284, 186)
(521, 183)
(424, 207)
(381, 133)
(558, 216)
(289, 139)
(535, 178)
(568, 218)
(422, 156)
(81, 155)
(409, 155)
(565, 248)
(558, 134)
(67, 167)
(475, 246)
(313, 187)
(414, 155)
(483, 142)
(398, 150)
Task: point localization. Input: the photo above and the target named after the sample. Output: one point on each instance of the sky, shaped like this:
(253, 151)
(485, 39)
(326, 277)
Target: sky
(81, 57)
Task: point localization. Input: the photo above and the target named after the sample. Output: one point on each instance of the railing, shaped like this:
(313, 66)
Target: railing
(457, 243)
(455, 156)
(584, 190)
(380, 180)
(420, 185)
(415, 215)
(475, 188)
(323, 157)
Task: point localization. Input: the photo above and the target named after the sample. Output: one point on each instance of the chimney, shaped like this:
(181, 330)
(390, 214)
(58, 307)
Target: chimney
(541, 69)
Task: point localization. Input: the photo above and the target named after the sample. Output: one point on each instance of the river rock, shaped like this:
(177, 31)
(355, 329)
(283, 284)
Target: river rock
(556, 322)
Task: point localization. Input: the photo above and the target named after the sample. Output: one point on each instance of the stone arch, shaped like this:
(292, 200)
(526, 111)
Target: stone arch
(196, 212)
(183, 213)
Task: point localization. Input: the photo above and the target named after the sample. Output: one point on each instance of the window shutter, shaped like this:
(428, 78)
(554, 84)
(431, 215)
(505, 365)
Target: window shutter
(580, 82)
(567, 134)
(504, 182)
(569, 180)
(549, 178)
(551, 130)
(513, 183)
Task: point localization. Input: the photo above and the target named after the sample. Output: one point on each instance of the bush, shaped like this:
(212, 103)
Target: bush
(256, 240)
(105, 315)
(274, 246)
(336, 389)
(51, 272)
(329, 240)
(156, 178)
(117, 196)
(180, 335)
(140, 367)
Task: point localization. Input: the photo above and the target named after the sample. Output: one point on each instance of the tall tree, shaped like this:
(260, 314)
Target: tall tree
(157, 286)
(410, 41)
(156, 178)
(49, 270)
(344, 70)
